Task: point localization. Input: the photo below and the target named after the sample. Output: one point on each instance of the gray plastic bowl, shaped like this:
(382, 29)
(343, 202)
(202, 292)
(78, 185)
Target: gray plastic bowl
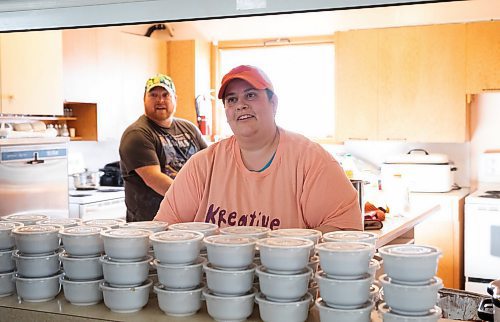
(180, 276)
(283, 312)
(7, 284)
(7, 264)
(231, 252)
(126, 244)
(229, 308)
(284, 255)
(82, 292)
(327, 313)
(229, 283)
(6, 238)
(37, 239)
(432, 316)
(81, 268)
(345, 260)
(176, 247)
(40, 289)
(125, 274)
(283, 288)
(410, 299)
(37, 266)
(179, 303)
(126, 299)
(83, 240)
(344, 293)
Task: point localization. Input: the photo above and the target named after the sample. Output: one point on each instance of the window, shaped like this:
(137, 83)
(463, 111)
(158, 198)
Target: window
(303, 78)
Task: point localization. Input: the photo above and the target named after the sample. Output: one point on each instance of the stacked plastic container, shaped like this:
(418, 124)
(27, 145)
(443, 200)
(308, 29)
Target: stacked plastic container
(37, 262)
(81, 264)
(7, 264)
(125, 266)
(179, 268)
(345, 281)
(284, 278)
(410, 287)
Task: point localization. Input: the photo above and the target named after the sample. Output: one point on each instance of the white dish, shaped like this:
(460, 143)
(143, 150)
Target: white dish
(284, 255)
(37, 239)
(346, 294)
(125, 274)
(179, 303)
(39, 289)
(175, 276)
(176, 247)
(82, 293)
(81, 268)
(229, 283)
(345, 260)
(283, 288)
(37, 266)
(231, 252)
(83, 240)
(126, 299)
(229, 308)
(125, 244)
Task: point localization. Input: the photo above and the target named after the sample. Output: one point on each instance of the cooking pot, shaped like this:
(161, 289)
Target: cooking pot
(422, 171)
(87, 179)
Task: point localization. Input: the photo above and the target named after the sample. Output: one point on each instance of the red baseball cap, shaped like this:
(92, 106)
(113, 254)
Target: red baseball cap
(253, 75)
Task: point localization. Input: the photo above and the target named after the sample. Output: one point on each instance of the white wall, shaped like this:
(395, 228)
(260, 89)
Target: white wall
(96, 154)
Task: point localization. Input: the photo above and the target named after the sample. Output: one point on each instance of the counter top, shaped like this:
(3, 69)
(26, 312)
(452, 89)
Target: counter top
(11, 309)
(31, 141)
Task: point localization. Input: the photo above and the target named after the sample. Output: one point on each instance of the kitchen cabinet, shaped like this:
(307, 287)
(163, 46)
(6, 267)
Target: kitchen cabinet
(80, 65)
(401, 83)
(356, 107)
(483, 56)
(31, 73)
(445, 231)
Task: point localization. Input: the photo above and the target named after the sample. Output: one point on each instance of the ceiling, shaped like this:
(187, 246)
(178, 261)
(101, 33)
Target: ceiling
(325, 23)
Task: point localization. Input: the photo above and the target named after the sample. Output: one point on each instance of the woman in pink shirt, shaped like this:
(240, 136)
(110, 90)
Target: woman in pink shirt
(263, 175)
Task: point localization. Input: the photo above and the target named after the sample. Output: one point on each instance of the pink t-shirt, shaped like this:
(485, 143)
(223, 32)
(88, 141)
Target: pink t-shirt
(304, 187)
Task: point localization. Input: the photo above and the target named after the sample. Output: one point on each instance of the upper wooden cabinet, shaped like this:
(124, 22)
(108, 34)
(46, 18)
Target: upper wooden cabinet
(483, 56)
(356, 86)
(412, 84)
(31, 73)
(80, 65)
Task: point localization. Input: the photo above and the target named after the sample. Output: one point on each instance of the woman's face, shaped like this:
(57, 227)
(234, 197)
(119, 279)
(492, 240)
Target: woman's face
(248, 110)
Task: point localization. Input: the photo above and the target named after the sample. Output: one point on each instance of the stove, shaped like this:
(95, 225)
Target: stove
(101, 203)
(95, 195)
(489, 195)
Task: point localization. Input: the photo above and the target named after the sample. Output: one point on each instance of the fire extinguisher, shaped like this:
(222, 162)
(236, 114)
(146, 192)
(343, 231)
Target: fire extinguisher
(202, 123)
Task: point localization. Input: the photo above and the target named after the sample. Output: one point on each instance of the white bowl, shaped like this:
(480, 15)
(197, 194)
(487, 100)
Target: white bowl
(82, 292)
(40, 289)
(232, 252)
(6, 238)
(83, 241)
(174, 276)
(248, 231)
(326, 313)
(153, 225)
(176, 247)
(410, 299)
(37, 266)
(65, 222)
(125, 274)
(37, 239)
(229, 308)
(178, 303)
(345, 294)
(345, 260)
(207, 229)
(296, 311)
(125, 244)
(283, 288)
(284, 255)
(81, 268)
(408, 264)
(26, 219)
(229, 283)
(351, 236)
(7, 264)
(109, 223)
(126, 299)
(7, 284)
(389, 316)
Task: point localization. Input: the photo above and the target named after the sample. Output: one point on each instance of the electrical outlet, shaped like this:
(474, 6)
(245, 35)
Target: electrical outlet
(489, 168)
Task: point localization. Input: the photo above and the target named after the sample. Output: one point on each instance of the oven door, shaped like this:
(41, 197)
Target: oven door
(482, 241)
(108, 209)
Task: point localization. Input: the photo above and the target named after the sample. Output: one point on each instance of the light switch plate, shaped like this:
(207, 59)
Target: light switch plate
(489, 168)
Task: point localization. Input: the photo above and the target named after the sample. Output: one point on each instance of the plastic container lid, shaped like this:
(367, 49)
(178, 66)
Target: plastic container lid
(83, 230)
(285, 242)
(25, 218)
(9, 225)
(349, 236)
(37, 229)
(60, 221)
(229, 240)
(103, 222)
(126, 233)
(197, 226)
(344, 246)
(295, 232)
(409, 250)
(151, 225)
(176, 236)
(245, 230)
